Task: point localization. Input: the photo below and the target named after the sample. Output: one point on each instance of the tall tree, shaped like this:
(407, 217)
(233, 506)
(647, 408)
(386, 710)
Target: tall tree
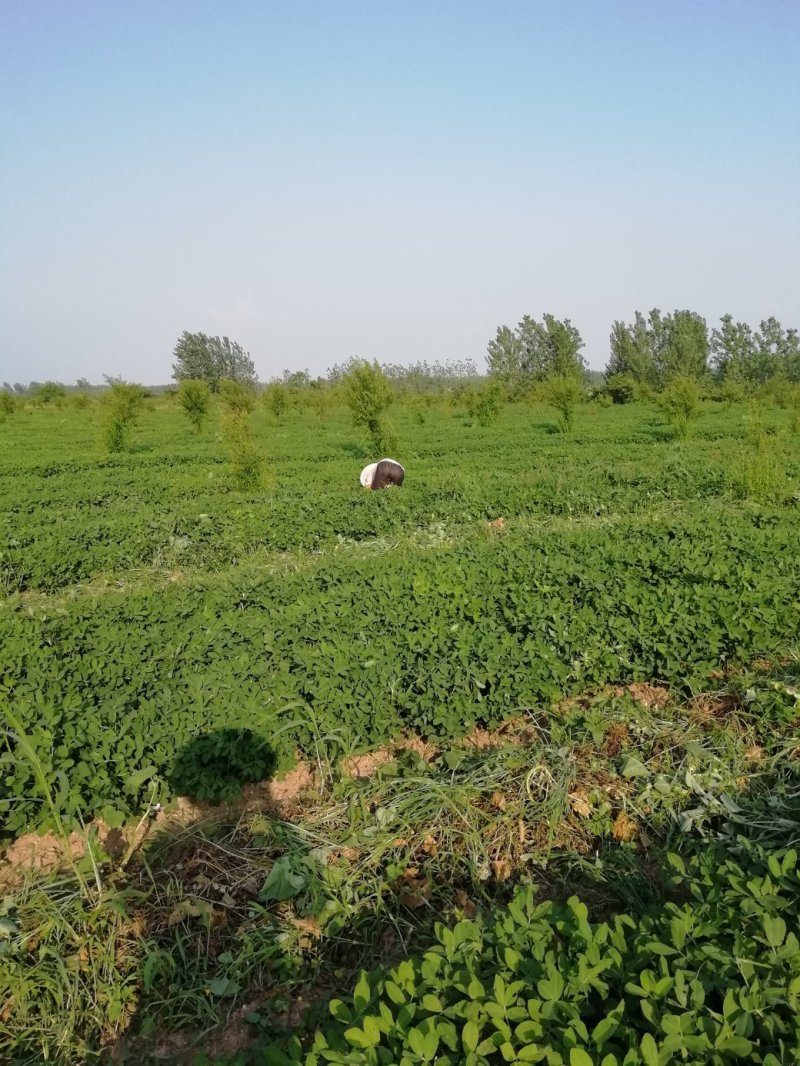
(505, 353)
(655, 349)
(631, 351)
(684, 351)
(199, 357)
(777, 351)
(733, 351)
(536, 351)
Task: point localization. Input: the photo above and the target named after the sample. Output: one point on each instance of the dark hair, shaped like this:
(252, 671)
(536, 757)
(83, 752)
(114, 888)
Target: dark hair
(386, 473)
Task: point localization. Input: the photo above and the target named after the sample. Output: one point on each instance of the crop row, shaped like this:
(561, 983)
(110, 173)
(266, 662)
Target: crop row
(113, 689)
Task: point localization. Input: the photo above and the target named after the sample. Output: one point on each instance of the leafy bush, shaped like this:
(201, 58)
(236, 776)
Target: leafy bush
(124, 403)
(680, 403)
(621, 387)
(368, 393)
(276, 398)
(194, 397)
(49, 392)
(714, 978)
(565, 393)
(484, 404)
(238, 397)
(8, 403)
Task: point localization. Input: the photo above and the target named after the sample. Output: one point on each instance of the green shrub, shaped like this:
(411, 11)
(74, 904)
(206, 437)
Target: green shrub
(50, 392)
(238, 397)
(194, 397)
(8, 403)
(246, 462)
(680, 403)
(124, 403)
(276, 398)
(564, 393)
(484, 404)
(368, 394)
(621, 388)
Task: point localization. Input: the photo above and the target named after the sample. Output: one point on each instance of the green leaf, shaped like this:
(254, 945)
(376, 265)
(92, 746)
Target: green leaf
(470, 1036)
(775, 929)
(224, 987)
(361, 994)
(604, 1029)
(358, 1038)
(550, 988)
(649, 1050)
(736, 1045)
(633, 767)
(578, 1057)
(282, 882)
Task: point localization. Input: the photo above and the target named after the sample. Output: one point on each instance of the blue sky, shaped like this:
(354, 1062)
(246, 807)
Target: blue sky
(393, 180)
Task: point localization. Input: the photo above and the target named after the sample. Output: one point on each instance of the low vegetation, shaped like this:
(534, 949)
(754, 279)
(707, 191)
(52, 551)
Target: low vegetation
(499, 767)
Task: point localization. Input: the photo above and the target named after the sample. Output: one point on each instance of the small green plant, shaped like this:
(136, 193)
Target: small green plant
(246, 462)
(194, 397)
(368, 393)
(680, 403)
(564, 393)
(124, 403)
(238, 398)
(276, 398)
(8, 403)
(484, 404)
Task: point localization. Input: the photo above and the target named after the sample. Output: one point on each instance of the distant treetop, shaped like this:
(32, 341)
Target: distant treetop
(199, 357)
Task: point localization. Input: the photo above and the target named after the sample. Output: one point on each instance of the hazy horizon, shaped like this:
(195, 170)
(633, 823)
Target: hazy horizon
(321, 181)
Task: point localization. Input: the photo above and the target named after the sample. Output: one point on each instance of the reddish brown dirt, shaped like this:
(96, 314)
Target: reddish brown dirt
(650, 696)
(282, 797)
(424, 748)
(362, 767)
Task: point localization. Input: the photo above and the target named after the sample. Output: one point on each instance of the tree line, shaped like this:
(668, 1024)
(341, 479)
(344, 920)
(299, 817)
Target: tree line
(649, 352)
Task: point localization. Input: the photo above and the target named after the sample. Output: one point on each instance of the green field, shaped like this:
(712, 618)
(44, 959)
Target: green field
(164, 634)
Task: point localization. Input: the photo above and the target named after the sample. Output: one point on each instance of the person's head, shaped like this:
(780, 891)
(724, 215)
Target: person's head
(387, 472)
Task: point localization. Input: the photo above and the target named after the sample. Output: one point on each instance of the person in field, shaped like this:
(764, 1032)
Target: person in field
(382, 474)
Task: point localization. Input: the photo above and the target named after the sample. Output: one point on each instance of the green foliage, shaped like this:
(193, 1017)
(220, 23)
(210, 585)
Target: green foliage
(214, 766)
(8, 403)
(238, 397)
(50, 392)
(368, 393)
(194, 397)
(565, 392)
(621, 387)
(535, 351)
(655, 349)
(276, 398)
(755, 357)
(124, 403)
(714, 977)
(199, 357)
(484, 404)
(435, 644)
(680, 403)
(246, 461)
